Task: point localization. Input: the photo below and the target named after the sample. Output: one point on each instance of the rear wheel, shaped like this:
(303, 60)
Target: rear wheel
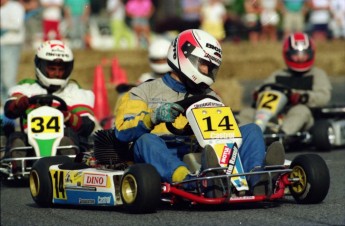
(40, 180)
(141, 189)
(323, 135)
(313, 174)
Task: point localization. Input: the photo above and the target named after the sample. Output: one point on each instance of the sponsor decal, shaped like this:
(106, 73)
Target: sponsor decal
(212, 58)
(68, 177)
(104, 199)
(225, 155)
(243, 198)
(99, 180)
(217, 54)
(87, 201)
(208, 104)
(232, 160)
(215, 135)
(209, 45)
(77, 175)
(59, 55)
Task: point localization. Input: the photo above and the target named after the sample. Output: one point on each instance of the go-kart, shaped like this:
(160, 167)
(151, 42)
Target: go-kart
(327, 132)
(110, 179)
(45, 129)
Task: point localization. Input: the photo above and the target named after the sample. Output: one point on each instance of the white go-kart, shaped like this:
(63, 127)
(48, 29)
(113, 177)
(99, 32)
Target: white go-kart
(45, 129)
(328, 131)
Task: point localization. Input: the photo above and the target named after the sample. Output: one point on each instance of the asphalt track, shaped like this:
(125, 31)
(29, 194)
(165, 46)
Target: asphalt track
(18, 208)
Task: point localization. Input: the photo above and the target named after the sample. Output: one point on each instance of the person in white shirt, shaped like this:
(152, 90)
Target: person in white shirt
(12, 37)
(337, 24)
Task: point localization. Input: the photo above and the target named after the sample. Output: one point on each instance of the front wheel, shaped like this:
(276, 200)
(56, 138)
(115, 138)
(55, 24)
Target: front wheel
(141, 188)
(313, 179)
(40, 181)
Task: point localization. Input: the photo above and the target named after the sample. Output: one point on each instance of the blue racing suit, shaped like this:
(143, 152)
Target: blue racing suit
(154, 144)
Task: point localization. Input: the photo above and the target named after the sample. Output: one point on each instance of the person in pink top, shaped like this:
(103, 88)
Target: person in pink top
(140, 12)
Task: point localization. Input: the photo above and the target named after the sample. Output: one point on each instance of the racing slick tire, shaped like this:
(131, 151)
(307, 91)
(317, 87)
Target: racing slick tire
(323, 135)
(40, 180)
(314, 179)
(141, 189)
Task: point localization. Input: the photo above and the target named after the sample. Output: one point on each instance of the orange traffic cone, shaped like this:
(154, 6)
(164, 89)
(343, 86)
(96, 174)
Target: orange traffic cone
(118, 75)
(101, 108)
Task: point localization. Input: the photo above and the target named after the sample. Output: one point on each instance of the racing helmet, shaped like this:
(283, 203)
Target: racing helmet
(299, 52)
(188, 51)
(158, 50)
(49, 52)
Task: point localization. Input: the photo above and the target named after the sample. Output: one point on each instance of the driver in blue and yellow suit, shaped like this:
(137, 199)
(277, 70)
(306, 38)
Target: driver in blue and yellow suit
(194, 57)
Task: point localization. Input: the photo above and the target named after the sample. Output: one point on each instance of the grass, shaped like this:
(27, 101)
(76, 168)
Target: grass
(241, 62)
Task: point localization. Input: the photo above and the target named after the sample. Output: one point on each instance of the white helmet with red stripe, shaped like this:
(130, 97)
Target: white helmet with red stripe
(49, 52)
(190, 49)
(299, 52)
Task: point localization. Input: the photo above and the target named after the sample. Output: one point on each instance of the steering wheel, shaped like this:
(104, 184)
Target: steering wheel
(276, 86)
(185, 103)
(47, 100)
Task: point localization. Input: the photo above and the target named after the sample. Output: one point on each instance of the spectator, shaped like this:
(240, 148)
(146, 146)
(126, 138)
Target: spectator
(269, 19)
(77, 14)
(213, 16)
(12, 37)
(123, 37)
(252, 20)
(190, 14)
(293, 16)
(33, 20)
(140, 12)
(319, 18)
(337, 24)
(51, 18)
(234, 24)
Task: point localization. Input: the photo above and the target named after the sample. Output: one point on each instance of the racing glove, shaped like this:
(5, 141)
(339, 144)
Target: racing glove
(255, 96)
(72, 120)
(15, 108)
(167, 112)
(297, 98)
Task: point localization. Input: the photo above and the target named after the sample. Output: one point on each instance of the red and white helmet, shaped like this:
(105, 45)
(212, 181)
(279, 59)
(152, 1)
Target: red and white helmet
(158, 50)
(299, 52)
(187, 51)
(53, 51)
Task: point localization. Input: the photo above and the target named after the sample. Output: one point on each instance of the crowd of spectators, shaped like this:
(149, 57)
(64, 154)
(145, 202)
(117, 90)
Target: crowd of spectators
(132, 23)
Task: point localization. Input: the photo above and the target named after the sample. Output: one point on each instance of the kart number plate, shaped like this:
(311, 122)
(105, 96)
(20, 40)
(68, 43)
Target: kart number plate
(269, 100)
(46, 124)
(216, 123)
(59, 191)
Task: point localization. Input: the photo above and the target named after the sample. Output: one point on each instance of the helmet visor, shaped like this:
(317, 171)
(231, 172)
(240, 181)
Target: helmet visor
(205, 67)
(58, 66)
(300, 56)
